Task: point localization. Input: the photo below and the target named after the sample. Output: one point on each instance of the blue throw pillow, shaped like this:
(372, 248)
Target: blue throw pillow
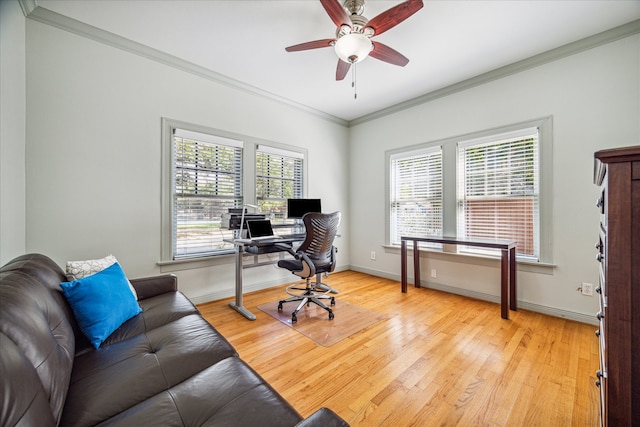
(101, 302)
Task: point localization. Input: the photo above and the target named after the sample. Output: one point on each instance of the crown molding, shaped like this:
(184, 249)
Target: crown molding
(28, 6)
(54, 19)
(564, 51)
(33, 11)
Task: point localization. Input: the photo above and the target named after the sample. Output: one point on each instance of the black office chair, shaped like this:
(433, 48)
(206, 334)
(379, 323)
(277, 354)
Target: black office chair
(315, 256)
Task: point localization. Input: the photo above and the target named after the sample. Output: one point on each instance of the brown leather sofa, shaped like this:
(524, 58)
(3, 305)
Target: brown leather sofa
(164, 367)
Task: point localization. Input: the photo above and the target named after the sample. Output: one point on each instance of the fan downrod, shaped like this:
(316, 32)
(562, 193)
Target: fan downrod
(354, 7)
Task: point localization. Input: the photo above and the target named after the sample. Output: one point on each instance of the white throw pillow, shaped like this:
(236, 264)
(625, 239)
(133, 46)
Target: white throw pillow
(79, 269)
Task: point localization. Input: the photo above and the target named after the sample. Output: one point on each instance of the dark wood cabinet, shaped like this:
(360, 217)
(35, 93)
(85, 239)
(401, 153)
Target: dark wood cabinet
(617, 172)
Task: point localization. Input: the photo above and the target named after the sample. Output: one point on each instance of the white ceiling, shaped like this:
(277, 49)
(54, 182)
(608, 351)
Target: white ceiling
(446, 41)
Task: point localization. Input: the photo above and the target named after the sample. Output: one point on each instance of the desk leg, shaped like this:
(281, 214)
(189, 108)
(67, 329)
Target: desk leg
(512, 279)
(237, 305)
(403, 265)
(416, 263)
(504, 289)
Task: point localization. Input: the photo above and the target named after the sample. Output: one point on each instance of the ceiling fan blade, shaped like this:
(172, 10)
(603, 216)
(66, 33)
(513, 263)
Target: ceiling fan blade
(342, 70)
(310, 45)
(336, 12)
(385, 53)
(392, 17)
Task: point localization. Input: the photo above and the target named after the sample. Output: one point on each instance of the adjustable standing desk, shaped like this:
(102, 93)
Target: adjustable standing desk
(508, 264)
(255, 248)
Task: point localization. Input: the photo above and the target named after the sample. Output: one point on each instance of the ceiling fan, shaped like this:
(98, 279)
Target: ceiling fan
(352, 42)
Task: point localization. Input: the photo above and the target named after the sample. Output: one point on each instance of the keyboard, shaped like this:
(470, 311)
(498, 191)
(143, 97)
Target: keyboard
(263, 238)
(296, 236)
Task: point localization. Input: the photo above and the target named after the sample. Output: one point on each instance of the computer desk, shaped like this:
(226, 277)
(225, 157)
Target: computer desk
(256, 248)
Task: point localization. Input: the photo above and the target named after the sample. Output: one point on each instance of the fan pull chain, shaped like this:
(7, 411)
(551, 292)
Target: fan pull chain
(353, 81)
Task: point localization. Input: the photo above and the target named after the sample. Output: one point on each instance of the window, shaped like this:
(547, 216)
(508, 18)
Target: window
(206, 180)
(205, 172)
(416, 193)
(490, 184)
(498, 189)
(279, 176)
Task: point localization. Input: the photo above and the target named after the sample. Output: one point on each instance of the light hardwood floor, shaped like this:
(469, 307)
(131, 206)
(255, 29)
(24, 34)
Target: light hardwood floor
(437, 360)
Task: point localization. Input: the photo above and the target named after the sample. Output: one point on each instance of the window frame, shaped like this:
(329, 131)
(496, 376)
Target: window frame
(250, 147)
(298, 188)
(450, 184)
(499, 189)
(414, 155)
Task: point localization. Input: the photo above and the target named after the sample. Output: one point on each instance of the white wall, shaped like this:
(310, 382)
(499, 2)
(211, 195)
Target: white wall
(94, 160)
(594, 98)
(12, 131)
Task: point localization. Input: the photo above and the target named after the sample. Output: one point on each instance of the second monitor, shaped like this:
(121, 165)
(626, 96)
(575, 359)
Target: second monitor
(296, 208)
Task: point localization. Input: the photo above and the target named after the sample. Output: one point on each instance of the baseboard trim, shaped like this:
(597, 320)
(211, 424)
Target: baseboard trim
(230, 291)
(538, 308)
(247, 288)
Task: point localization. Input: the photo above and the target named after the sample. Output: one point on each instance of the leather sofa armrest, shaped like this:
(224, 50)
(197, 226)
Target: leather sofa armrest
(147, 287)
(323, 417)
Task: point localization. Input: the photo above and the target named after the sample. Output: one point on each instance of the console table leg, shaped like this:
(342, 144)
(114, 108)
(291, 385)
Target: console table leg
(512, 279)
(403, 265)
(416, 263)
(504, 288)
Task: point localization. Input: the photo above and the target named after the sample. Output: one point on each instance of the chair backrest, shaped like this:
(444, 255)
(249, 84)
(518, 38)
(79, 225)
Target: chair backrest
(321, 229)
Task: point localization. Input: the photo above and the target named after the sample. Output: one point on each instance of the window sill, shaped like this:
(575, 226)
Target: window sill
(477, 259)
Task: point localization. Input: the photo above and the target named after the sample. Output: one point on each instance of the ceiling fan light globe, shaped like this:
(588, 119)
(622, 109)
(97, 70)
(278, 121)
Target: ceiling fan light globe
(353, 47)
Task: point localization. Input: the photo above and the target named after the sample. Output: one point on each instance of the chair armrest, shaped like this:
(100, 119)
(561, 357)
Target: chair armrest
(323, 417)
(306, 261)
(334, 250)
(147, 287)
(286, 247)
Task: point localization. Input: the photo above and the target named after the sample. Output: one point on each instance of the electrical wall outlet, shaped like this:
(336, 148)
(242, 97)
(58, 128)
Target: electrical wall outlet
(587, 289)
(434, 273)
(373, 255)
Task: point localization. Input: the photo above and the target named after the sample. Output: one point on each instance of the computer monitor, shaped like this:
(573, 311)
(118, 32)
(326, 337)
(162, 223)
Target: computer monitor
(296, 208)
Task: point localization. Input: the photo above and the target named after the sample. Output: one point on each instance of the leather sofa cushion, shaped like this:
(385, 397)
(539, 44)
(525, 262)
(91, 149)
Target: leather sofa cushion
(110, 380)
(227, 394)
(156, 311)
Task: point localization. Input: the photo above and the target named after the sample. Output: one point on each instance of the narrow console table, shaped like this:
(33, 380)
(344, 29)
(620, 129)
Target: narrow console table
(508, 264)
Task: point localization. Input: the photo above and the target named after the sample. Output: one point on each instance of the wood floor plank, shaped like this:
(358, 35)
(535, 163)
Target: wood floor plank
(437, 359)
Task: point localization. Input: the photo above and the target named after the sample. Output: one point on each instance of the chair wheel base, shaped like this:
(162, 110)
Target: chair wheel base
(294, 317)
(308, 296)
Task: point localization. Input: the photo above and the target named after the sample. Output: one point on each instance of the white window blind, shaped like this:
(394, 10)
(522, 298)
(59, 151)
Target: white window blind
(498, 189)
(416, 193)
(207, 182)
(279, 176)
